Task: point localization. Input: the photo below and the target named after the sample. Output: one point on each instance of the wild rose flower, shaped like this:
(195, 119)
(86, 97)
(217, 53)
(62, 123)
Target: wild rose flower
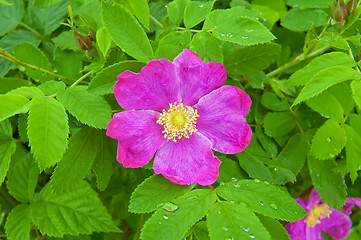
(184, 113)
(322, 218)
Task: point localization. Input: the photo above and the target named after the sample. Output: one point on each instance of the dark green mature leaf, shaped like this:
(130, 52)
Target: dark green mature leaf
(172, 44)
(229, 170)
(207, 47)
(153, 192)
(74, 212)
(139, 8)
(104, 81)
(310, 3)
(45, 3)
(328, 181)
(191, 207)
(176, 10)
(10, 16)
(77, 160)
(278, 124)
(47, 130)
(267, 143)
(275, 228)
(353, 151)
(65, 40)
(18, 222)
(68, 63)
(310, 17)
(22, 179)
(271, 101)
(126, 32)
(9, 83)
(356, 92)
(328, 141)
(196, 12)
(262, 198)
(228, 220)
(88, 108)
(6, 151)
(11, 104)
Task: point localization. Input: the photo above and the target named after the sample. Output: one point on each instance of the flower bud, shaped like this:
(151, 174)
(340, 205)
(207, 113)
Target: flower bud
(339, 11)
(351, 6)
(84, 42)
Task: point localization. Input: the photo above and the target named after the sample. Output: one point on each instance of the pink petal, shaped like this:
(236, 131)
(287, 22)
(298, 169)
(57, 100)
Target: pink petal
(197, 78)
(338, 225)
(296, 230)
(187, 161)
(350, 203)
(222, 119)
(303, 203)
(314, 233)
(153, 88)
(138, 134)
(313, 199)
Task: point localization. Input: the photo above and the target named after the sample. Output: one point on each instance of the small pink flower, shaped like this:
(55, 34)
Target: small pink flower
(322, 218)
(184, 113)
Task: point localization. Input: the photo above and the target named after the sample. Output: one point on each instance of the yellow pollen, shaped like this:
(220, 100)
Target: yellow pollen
(317, 213)
(178, 121)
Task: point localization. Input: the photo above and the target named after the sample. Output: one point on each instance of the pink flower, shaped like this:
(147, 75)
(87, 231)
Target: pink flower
(322, 218)
(184, 113)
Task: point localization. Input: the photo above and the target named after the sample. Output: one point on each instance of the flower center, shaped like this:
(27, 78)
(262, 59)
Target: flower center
(178, 121)
(317, 213)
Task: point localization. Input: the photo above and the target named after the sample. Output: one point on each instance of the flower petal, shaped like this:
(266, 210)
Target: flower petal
(313, 199)
(187, 161)
(303, 203)
(222, 119)
(338, 225)
(350, 203)
(196, 77)
(296, 230)
(138, 134)
(314, 233)
(153, 88)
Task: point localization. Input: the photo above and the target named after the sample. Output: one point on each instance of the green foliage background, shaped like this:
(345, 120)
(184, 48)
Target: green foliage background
(297, 59)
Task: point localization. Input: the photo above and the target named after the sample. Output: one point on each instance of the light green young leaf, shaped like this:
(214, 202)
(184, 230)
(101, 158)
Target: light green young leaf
(356, 92)
(328, 141)
(12, 104)
(47, 130)
(353, 151)
(325, 79)
(278, 124)
(6, 130)
(77, 160)
(5, 2)
(262, 198)
(310, 3)
(28, 92)
(45, 3)
(88, 108)
(153, 192)
(196, 12)
(355, 122)
(103, 40)
(343, 94)
(6, 151)
(79, 211)
(274, 227)
(51, 87)
(165, 225)
(10, 16)
(228, 220)
(328, 181)
(310, 17)
(172, 44)
(207, 47)
(140, 10)
(18, 222)
(22, 179)
(126, 32)
(176, 11)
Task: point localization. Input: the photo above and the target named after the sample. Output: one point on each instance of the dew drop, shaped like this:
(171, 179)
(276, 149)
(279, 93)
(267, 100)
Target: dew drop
(229, 238)
(257, 18)
(223, 34)
(318, 175)
(237, 185)
(225, 229)
(193, 197)
(166, 5)
(264, 19)
(331, 155)
(329, 139)
(159, 222)
(165, 217)
(245, 37)
(243, 204)
(266, 182)
(252, 236)
(275, 169)
(230, 35)
(257, 181)
(219, 212)
(201, 5)
(234, 179)
(22, 68)
(246, 229)
(159, 205)
(262, 203)
(55, 70)
(273, 206)
(170, 207)
(221, 183)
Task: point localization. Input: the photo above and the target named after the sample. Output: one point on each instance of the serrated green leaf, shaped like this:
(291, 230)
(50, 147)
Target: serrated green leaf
(275, 228)
(310, 3)
(267, 143)
(139, 9)
(343, 94)
(176, 11)
(77, 160)
(262, 198)
(88, 108)
(22, 179)
(28, 92)
(104, 81)
(200, 231)
(310, 17)
(325, 79)
(68, 63)
(328, 181)
(126, 31)
(271, 101)
(47, 131)
(10, 16)
(75, 212)
(196, 12)
(302, 76)
(18, 222)
(207, 47)
(327, 105)
(12, 104)
(328, 141)
(353, 151)
(51, 87)
(153, 192)
(6, 151)
(65, 40)
(172, 44)
(192, 206)
(278, 124)
(103, 40)
(6, 130)
(228, 220)
(356, 92)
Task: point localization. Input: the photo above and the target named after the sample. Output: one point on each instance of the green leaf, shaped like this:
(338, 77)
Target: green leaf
(267, 143)
(104, 81)
(172, 44)
(225, 15)
(18, 222)
(65, 40)
(229, 170)
(262, 198)
(271, 101)
(278, 124)
(126, 32)
(140, 10)
(176, 11)
(343, 94)
(302, 76)
(328, 141)
(45, 3)
(6, 151)
(310, 3)
(11, 105)
(6, 131)
(275, 228)
(328, 181)
(77, 160)
(9, 83)
(353, 151)
(103, 40)
(325, 79)
(22, 125)
(28, 92)
(75, 212)
(207, 47)
(200, 231)
(228, 220)
(5, 2)
(355, 122)
(51, 87)
(310, 17)
(196, 12)
(153, 192)
(327, 105)
(356, 92)
(88, 108)
(192, 206)
(68, 63)
(10, 16)
(252, 59)
(30, 54)
(47, 130)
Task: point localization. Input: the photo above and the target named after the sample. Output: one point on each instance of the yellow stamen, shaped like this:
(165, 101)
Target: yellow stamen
(317, 213)
(178, 121)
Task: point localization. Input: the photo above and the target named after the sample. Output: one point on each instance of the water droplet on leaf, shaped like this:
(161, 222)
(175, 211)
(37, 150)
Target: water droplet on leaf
(246, 229)
(170, 207)
(273, 206)
(262, 203)
(257, 181)
(252, 236)
(234, 179)
(165, 217)
(237, 185)
(329, 139)
(201, 5)
(225, 229)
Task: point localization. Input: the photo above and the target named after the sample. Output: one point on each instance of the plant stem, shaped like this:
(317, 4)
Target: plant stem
(81, 78)
(189, 30)
(156, 21)
(140, 224)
